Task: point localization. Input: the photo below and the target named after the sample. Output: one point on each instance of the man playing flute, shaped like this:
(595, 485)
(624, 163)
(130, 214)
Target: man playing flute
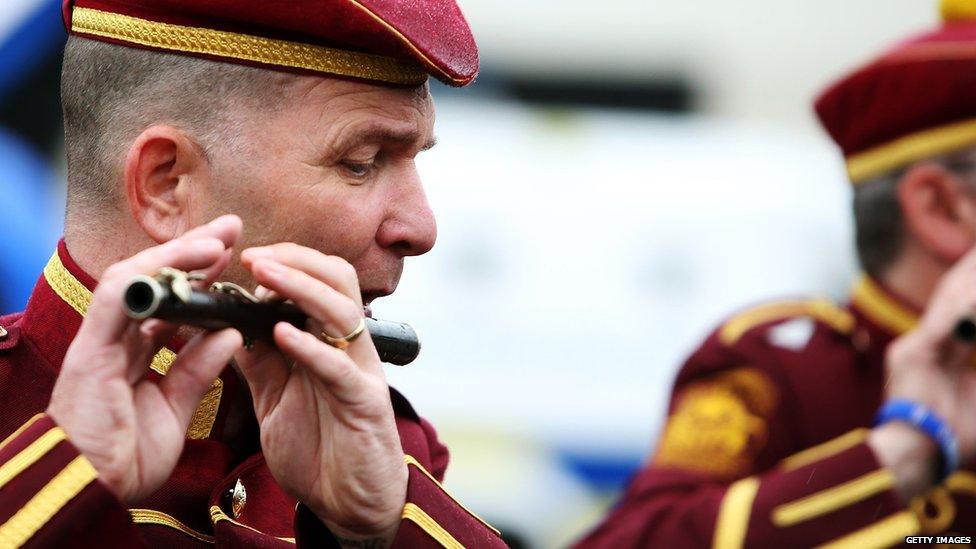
(268, 143)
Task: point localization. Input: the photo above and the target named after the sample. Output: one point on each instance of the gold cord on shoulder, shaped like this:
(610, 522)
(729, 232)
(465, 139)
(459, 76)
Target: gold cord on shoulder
(819, 309)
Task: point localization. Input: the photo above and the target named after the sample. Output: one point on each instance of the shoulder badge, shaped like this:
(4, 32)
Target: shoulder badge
(822, 310)
(719, 424)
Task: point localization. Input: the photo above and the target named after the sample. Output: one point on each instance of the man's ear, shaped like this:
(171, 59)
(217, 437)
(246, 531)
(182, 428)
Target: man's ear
(161, 169)
(938, 211)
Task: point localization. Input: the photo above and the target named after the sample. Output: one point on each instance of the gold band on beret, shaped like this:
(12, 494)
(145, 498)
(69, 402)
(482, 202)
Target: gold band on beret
(957, 10)
(911, 148)
(244, 47)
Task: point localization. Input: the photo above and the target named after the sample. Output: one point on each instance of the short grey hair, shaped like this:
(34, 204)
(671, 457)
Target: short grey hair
(878, 221)
(111, 93)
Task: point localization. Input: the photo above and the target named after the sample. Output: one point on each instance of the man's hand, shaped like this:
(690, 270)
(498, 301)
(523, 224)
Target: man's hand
(327, 425)
(929, 366)
(131, 429)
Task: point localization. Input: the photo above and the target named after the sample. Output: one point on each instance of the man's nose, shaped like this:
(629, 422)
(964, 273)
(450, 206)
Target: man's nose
(410, 227)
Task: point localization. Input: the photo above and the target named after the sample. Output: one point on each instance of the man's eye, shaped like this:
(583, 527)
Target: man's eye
(358, 169)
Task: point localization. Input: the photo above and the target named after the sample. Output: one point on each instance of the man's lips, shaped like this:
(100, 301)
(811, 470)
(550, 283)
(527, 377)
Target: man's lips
(368, 297)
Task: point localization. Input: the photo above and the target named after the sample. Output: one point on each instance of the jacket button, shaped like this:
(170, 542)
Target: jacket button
(3, 333)
(238, 499)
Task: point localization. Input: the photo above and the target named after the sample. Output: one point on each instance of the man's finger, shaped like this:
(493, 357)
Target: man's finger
(332, 270)
(226, 228)
(187, 253)
(334, 368)
(196, 367)
(336, 311)
(211, 273)
(106, 318)
(336, 314)
(954, 298)
(266, 373)
(153, 335)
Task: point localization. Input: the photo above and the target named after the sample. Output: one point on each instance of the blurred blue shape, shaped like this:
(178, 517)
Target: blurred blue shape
(41, 33)
(30, 215)
(30, 220)
(603, 473)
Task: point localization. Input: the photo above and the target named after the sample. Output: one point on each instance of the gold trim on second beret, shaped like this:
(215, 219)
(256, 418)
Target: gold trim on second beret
(911, 148)
(244, 47)
(957, 10)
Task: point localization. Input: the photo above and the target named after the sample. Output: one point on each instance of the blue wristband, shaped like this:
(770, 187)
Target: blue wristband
(928, 422)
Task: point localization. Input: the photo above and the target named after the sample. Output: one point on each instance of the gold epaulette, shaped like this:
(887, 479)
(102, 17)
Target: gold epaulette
(821, 310)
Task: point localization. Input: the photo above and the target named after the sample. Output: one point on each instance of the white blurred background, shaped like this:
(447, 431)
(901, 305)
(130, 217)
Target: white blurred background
(624, 175)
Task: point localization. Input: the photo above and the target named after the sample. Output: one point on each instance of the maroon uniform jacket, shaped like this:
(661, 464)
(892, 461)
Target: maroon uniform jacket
(50, 494)
(764, 445)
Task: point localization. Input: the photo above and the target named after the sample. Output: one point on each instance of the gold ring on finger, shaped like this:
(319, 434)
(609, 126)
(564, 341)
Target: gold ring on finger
(343, 342)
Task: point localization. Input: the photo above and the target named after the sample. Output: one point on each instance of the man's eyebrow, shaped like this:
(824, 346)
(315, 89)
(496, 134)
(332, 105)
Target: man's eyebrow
(385, 134)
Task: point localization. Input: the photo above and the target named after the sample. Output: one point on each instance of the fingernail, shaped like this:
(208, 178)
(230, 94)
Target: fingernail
(290, 332)
(239, 338)
(225, 218)
(261, 292)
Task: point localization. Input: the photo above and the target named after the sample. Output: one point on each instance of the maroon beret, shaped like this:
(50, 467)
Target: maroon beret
(390, 41)
(916, 100)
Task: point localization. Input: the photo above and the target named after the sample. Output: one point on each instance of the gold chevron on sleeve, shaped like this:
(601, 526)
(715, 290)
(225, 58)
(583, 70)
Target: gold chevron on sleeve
(30, 455)
(833, 498)
(884, 533)
(20, 430)
(45, 504)
(413, 461)
(426, 523)
(734, 513)
(825, 450)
